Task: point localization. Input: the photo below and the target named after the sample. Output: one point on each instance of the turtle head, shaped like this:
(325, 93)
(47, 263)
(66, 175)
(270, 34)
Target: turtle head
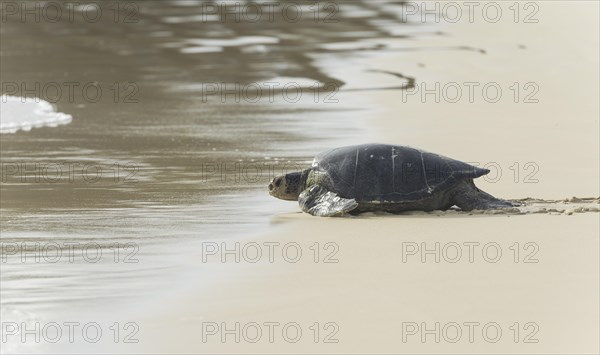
(287, 187)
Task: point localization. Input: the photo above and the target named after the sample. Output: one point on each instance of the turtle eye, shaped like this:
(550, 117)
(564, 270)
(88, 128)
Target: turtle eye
(278, 182)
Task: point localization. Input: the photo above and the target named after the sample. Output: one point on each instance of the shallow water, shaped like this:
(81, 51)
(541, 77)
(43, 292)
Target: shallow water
(158, 154)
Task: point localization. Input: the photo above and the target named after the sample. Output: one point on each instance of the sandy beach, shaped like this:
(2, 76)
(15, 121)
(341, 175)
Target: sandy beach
(534, 277)
(225, 269)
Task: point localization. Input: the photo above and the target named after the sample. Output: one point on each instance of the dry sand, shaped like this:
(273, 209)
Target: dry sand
(373, 297)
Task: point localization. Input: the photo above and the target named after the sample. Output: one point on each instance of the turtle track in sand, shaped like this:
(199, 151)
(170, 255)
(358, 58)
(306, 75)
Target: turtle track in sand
(568, 206)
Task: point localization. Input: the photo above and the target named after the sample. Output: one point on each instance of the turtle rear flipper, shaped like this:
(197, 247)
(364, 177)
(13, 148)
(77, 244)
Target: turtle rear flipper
(318, 201)
(468, 197)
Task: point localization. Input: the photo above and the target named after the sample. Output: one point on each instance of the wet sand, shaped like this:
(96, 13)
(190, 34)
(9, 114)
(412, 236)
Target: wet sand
(129, 172)
(379, 288)
(367, 286)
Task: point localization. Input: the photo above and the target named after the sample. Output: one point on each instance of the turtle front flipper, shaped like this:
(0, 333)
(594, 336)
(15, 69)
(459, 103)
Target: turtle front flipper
(318, 201)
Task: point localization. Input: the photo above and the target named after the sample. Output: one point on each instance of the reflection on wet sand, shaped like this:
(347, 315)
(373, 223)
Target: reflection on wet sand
(128, 169)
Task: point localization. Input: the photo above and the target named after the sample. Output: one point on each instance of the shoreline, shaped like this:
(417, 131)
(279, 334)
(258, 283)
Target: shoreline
(364, 289)
(546, 280)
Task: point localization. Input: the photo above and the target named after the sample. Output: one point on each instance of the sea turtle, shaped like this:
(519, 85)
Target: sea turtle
(382, 177)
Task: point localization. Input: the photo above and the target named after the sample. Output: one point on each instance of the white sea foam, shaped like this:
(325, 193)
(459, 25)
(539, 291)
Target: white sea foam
(20, 113)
